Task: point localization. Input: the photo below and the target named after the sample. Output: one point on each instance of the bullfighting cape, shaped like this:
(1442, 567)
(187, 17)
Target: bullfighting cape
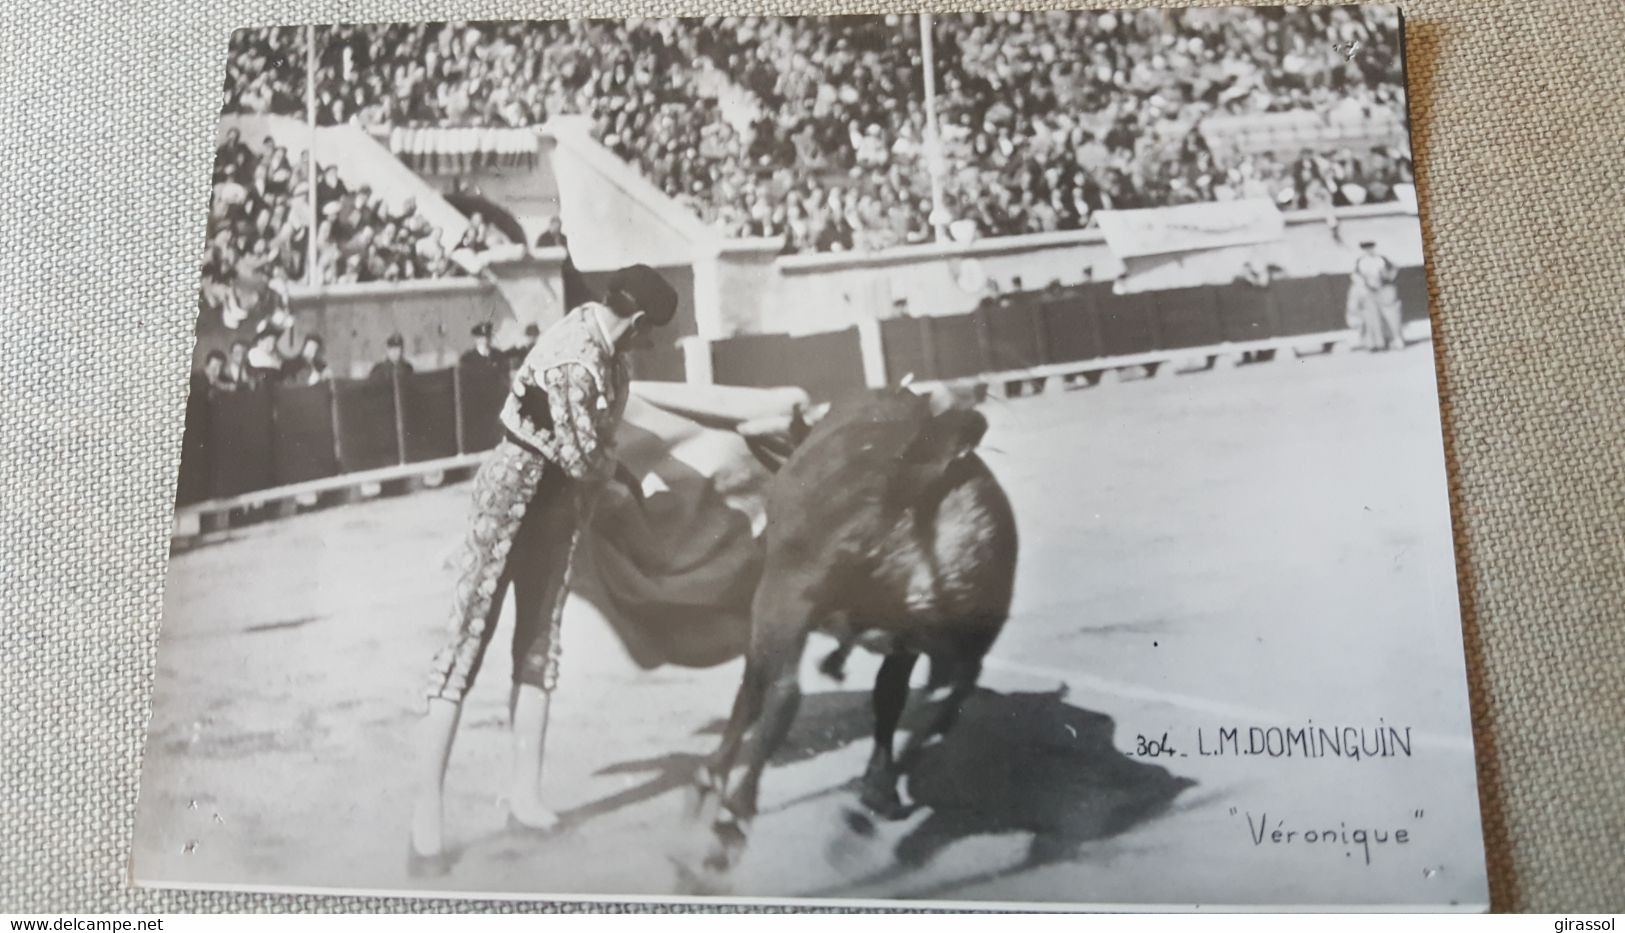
(672, 565)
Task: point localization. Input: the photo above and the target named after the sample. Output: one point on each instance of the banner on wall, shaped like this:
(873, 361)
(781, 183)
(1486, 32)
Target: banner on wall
(1186, 227)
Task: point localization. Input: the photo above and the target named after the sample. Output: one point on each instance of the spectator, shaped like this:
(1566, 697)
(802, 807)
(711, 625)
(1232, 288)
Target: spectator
(482, 358)
(394, 364)
(329, 188)
(234, 161)
(994, 298)
(1258, 275)
(236, 374)
(1373, 300)
(517, 355)
(576, 291)
(264, 361)
(475, 238)
(211, 379)
(309, 367)
(554, 234)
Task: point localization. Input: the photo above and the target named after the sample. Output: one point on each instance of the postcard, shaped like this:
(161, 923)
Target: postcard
(979, 460)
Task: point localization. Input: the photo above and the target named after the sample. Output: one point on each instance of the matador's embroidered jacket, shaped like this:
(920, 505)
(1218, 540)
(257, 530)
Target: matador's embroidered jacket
(586, 384)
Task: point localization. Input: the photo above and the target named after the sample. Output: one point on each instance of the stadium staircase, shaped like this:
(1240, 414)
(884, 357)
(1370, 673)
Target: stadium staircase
(613, 214)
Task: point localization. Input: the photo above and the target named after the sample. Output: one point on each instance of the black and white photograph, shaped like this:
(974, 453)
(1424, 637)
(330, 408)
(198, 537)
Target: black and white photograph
(987, 460)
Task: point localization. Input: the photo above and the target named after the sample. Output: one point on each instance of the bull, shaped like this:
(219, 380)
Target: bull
(886, 531)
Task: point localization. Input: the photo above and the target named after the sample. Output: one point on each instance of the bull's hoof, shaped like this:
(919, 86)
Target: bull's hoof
(858, 822)
(719, 861)
(728, 843)
(700, 881)
(834, 665)
(884, 802)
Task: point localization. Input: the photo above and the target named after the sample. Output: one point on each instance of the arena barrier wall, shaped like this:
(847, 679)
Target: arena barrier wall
(480, 394)
(748, 288)
(428, 407)
(302, 433)
(241, 443)
(247, 442)
(194, 481)
(826, 365)
(658, 364)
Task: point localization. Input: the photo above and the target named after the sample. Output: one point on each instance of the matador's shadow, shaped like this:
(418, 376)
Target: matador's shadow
(1015, 762)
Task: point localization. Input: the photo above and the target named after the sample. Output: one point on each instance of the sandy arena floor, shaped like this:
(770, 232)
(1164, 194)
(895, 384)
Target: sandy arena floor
(1266, 546)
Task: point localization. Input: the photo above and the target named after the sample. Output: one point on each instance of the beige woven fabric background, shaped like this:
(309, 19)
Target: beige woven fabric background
(106, 116)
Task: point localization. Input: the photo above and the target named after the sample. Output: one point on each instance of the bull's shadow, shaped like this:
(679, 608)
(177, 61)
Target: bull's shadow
(1014, 762)
(1021, 762)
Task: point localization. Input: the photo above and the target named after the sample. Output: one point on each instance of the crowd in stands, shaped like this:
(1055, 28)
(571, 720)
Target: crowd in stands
(273, 355)
(258, 243)
(1044, 118)
(258, 233)
(363, 239)
(442, 74)
(265, 71)
(258, 227)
